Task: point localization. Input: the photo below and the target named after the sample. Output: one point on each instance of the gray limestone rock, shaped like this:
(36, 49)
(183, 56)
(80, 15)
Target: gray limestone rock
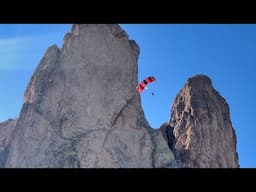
(81, 108)
(6, 132)
(204, 136)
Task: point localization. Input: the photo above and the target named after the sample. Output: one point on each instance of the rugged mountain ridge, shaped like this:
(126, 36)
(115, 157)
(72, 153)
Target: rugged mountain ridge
(81, 109)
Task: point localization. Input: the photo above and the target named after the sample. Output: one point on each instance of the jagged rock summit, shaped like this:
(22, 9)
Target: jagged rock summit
(200, 129)
(81, 109)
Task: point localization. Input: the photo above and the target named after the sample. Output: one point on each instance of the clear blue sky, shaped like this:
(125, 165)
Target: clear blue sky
(170, 52)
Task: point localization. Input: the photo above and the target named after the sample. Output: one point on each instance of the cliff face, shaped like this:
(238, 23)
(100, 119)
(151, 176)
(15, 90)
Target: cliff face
(81, 109)
(200, 131)
(6, 131)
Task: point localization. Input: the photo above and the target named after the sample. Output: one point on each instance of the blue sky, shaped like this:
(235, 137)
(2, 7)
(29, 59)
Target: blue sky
(170, 52)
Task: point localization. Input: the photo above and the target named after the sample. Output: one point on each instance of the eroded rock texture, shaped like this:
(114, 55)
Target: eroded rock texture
(200, 128)
(81, 108)
(6, 131)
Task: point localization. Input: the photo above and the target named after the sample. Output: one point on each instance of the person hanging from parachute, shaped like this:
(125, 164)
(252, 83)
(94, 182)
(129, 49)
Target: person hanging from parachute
(143, 84)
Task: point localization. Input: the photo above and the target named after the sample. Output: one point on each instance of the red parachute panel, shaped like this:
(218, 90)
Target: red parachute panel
(142, 85)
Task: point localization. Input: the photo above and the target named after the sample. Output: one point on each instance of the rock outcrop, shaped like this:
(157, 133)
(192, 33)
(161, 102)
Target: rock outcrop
(200, 131)
(81, 108)
(6, 131)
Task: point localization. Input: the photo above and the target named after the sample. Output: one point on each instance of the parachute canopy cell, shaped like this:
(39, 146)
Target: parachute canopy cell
(142, 85)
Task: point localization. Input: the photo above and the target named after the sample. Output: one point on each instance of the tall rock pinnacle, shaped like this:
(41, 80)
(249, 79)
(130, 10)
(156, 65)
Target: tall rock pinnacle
(200, 129)
(81, 108)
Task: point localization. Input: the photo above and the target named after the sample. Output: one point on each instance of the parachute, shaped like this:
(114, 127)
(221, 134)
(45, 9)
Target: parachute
(143, 84)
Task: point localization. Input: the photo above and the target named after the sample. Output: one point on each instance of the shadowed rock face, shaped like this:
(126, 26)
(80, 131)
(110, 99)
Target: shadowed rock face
(6, 131)
(81, 108)
(202, 129)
